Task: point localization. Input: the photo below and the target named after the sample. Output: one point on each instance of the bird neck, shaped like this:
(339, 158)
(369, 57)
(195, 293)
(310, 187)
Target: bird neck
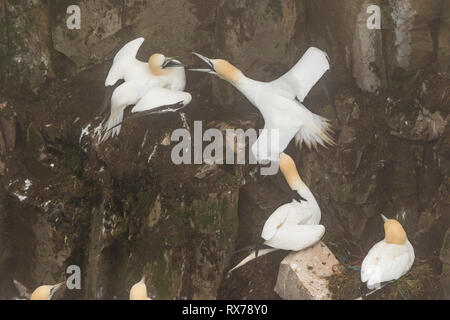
(303, 190)
(249, 88)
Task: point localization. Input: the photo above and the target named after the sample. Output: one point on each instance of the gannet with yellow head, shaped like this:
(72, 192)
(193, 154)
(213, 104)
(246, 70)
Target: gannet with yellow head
(390, 258)
(139, 291)
(293, 226)
(155, 84)
(46, 292)
(280, 103)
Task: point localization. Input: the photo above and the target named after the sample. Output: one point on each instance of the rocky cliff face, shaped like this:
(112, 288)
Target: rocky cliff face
(124, 209)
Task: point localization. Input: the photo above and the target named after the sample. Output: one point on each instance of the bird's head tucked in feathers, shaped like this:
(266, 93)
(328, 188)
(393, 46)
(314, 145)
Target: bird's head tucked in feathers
(394, 232)
(159, 64)
(221, 68)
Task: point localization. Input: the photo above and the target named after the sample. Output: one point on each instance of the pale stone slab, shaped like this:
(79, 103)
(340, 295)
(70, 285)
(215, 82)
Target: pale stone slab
(302, 274)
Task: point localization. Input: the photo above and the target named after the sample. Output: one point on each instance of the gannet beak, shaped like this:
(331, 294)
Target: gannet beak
(55, 288)
(171, 62)
(207, 61)
(383, 217)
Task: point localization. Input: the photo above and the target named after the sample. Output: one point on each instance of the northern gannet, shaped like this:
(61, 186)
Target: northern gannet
(139, 291)
(293, 226)
(148, 85)
(390, 258)
(280, 103)
(45, 292)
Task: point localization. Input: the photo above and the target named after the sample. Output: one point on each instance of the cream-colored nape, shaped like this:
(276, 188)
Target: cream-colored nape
(394, 232)
(155, 63)
(290, 172)
(226, 70)
(139, 290)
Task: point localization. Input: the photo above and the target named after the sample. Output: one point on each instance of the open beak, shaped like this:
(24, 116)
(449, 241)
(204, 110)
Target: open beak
(171, 62)
(383, 217)
(207, 61)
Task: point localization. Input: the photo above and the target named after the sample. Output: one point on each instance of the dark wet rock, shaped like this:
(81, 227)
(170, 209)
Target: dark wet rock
(426, 126)
(443, 39)
(445, 250)
(8, 134)
(445, 258)
(25, 46)
(347, 136)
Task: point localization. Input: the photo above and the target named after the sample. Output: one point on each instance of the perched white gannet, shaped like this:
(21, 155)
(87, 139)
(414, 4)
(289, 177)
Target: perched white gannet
(139, 291)
(295, 225)
(46, 292)
(148, 85)
(279, 102)
(390, 258)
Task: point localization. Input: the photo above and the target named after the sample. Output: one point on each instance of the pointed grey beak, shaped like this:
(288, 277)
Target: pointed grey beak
(207, 61)
(55, 288)
(383, 217)
(171, 62)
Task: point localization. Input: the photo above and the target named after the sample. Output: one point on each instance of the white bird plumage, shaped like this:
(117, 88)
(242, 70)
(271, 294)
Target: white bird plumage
(160, 82)
(276, 100)
(388, 259)
(293, 226)
(139, 291)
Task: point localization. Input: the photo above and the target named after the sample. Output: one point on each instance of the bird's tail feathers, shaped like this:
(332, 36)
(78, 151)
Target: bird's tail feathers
(112, 126)
(317, 131)
(252, 256)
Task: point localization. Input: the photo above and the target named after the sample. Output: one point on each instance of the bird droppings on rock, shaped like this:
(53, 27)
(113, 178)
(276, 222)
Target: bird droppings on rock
(303, 274)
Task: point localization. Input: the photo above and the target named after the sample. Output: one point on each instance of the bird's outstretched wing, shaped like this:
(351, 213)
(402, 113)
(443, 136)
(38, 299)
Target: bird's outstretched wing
(305, 74)
(121, 59)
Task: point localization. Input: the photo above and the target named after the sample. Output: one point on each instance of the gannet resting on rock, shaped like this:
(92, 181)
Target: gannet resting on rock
(390, 258)
(280, 103)
(148, 85)
(46, 292)
(139, 291)
(293, 226)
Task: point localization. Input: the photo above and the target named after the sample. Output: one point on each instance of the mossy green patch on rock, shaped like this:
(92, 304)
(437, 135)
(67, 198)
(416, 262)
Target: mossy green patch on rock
(161, 277)
(419, 283)
(274, 8)
(73, 161)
